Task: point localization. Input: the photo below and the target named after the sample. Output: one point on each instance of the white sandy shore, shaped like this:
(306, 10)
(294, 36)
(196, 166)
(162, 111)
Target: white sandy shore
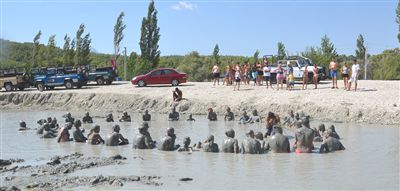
(375, 102)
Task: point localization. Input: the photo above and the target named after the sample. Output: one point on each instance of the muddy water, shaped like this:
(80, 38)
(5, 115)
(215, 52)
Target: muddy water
(371, 159)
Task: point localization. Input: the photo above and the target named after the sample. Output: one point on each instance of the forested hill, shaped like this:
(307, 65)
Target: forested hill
(384, 66)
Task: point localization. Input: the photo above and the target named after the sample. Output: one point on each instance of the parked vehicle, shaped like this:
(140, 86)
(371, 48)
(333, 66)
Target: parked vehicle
(160, 76)
(53, 77)
(103, 75)
(14, 78)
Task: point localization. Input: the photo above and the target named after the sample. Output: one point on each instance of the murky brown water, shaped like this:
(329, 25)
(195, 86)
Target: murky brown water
(370, 161)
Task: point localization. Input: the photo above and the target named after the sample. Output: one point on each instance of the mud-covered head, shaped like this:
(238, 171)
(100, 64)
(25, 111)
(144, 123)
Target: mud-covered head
(321, 127)
(68, 125)
(22, 123)
(210, 110)
(305, 121)
(277, 129)
(297, 116)
(170, 131)
(270, 114)
(46, 126)
(186, 141)
(77, 123)
(230, 133)
(68, 114)
(228, 109)
(109, 115)
(259, 136)
(116, 128)
(54, 121)
(146, 112)
(210, 139)
(190, 116)
(144, 127)
(125, 113)
(96, 128)
(87, 114)
(250, 134)
(49, 119)
(332, 128)
(255, 112)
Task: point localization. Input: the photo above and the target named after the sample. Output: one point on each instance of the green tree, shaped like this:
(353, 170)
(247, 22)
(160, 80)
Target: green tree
(398, 19)
(149, 38)
(216, 55)
(51, 54)
(327, 47)
(66, 50)
(281, 51)
(360, 52)
(78, 44)
(85, 50)
(255, 56)
(36, 48)
(118, 34)
(72, 52)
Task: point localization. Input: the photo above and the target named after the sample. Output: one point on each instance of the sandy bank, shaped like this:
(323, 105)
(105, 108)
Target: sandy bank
(376, 102)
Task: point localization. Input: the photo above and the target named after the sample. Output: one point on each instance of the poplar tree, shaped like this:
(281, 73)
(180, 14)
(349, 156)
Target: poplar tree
(118, 34)
(149, 38)
(36, 47)
(281, 51)
(216, 54)
(51, 53)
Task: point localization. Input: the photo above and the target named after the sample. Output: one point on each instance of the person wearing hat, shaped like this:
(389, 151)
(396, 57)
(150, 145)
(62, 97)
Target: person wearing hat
(146, 116)
(144, 140)
(87, 118)
(186, 147)
(168, 142)
(109, 117)
(125, 117)
(78, 133)
(94, 137)
(22, 126)
(116, 138)
(331, 143)
(278, 143)
(64, 135)
(250, 145)
(230, 144)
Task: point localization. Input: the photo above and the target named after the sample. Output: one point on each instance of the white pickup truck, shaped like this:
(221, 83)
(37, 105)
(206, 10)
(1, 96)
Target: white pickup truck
(298, 63)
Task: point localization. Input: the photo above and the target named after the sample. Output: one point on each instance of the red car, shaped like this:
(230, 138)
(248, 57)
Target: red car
(160, 76)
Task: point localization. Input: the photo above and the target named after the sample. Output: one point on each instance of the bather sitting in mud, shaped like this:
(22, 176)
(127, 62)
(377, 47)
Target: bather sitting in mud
(331, 143)
(168, 142)
(116, 138)
(230, 144)
(319, 134)
(173, 115)
(87, 118)
(146, 116)
(69, 118)
(64, 135)
(22, 126)
(229, 116)
(144, 140)
(212, 116)
(290, 120)
(260, 138)
(251, 145)
(186, 147)
(94, 137)
(278, 143)
(109, 117)
(304, 137)
(209, 145)
(125, 117)
(46, 131)
(53, 124)
(255, 117)
(244, 118)
(333, 133)
(78, 133)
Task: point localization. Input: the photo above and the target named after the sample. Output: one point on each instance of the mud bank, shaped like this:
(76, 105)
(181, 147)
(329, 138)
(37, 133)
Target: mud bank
(376, 102)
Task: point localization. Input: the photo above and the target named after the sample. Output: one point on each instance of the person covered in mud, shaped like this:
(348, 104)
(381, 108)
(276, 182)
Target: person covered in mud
(125, 117)
(116, 138)
(290, 119)
(78, 133)
(212, 116)
(146, 116)
(190, 118)
(109, 117)
(230, 144)
(64, 135)
(53, 124)
(144, 140)
(22, 126)
(94, 137)
(271, 120)
(260, 138)
(244, 118)
(334, 134)
(278, 143)
(47, 132)
(41, 121)
(209, 145)
(255, 117)
(186, 147)
(69, 118)
(87, 118)
(319, 134)
(304, 137)
(168, 142)
(177, 94)
(229, 116)
(331, 143)
(173, 115)
(251, 145)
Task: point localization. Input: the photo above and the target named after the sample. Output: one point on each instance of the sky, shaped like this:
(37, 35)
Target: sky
(239, 27)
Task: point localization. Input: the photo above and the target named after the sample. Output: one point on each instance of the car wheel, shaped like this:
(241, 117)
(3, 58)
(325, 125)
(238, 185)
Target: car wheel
(99, 81)
(40, 86)
(9, 87)
(141, 83)
(68, 84)
(175, 82)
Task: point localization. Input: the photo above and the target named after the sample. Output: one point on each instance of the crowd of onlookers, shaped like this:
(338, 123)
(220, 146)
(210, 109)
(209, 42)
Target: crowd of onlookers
(258, 73)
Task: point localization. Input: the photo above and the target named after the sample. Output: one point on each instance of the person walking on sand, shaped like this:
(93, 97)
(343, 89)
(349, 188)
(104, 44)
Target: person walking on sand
(237, 77)
(355, 71)
(345, 75)
(333, 66)
(279, 76)
(305, 77)
(315, 76)
(216, 73)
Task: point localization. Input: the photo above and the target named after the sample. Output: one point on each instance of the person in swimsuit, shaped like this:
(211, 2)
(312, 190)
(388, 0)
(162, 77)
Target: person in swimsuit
(260, 74)
(237, 77)
(177, 94)
(345, 75)
(305, 77)
(315, 76)
(333, 66)
(279, 76)
(216, 73)
(267, 73)
(290, 78)
(227, 75)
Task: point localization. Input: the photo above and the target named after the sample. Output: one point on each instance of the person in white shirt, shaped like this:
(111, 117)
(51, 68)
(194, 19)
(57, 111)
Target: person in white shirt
(355, 70)
(216, 73)
(267, 73)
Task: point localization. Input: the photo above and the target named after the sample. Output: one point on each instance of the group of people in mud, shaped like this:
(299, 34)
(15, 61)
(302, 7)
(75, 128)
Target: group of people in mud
(258, 73)
(255, 142)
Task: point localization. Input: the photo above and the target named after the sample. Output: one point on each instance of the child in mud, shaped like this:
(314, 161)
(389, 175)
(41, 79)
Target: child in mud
(94, 137)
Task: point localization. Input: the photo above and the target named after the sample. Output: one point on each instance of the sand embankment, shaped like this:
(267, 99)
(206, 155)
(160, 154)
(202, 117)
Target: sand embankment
(376, 102)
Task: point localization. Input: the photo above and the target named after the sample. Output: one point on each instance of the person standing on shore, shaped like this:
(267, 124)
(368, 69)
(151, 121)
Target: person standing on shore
(237, 77)
(279, 76)
(267, 73)
(345, 75)
(305, 76)
(216, 73)
(315, 76)
(355, 71)
(227, 75)
(333, 66)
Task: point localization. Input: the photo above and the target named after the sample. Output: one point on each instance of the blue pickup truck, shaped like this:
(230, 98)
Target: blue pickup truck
(53, 77)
